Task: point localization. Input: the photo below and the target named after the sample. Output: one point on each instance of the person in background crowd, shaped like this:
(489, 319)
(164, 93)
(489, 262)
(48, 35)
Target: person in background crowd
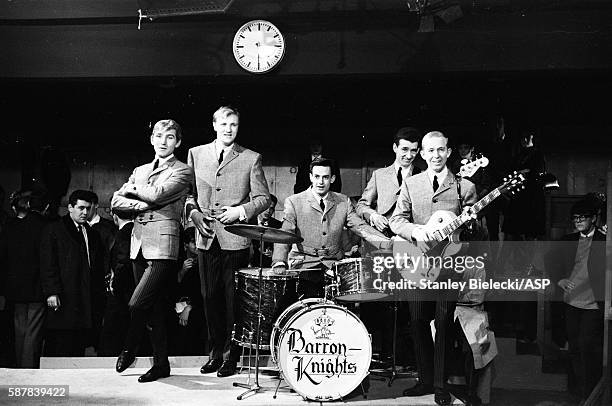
(119, 288)
(105, 227)
(72, 278)
(189, 326)
(579, 267)
(20, 276)
(156, 193)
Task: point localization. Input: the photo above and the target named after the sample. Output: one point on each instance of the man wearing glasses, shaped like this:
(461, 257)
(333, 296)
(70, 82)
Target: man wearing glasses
(581, 267)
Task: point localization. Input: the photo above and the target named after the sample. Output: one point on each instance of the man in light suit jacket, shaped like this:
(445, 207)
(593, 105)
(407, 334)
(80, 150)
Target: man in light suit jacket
(380, 195)
(319, 216)
(155, 193)
(421, 195)
(229, 187)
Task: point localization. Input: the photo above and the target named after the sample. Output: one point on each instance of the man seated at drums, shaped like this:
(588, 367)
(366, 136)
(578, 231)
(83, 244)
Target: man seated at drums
(319, 216)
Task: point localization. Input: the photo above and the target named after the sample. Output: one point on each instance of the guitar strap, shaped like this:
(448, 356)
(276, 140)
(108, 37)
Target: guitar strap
(458, 179)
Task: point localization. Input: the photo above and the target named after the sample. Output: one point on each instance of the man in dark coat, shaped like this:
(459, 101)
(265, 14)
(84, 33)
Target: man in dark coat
(580, 272)
(20, 266)
(72, 278)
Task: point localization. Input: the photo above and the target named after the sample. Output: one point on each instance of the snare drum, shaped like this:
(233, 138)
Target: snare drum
(356, 280)
(322, 350)
(278, 292)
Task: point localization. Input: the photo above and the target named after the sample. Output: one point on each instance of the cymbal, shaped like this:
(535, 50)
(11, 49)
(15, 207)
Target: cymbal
(267, 234)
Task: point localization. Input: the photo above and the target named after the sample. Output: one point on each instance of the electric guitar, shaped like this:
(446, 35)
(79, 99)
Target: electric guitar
(420, 260)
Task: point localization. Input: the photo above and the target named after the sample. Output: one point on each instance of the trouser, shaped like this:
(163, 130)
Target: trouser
(217, 267)
(29, 319)
(150, 305)
(65, 342)
(585, 339)
(115, 326)
(431, 355)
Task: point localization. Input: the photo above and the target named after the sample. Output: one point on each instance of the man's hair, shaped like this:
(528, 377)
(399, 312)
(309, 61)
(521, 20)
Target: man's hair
(585, 207)
(20, 200)
(189, 235)
(225, 111)
(92, 196)
(168, 124)
(80, 194)
(409, 134)
(323, 162)
(435, 134)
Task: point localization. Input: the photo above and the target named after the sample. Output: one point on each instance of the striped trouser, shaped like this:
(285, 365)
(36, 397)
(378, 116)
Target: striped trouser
(425, 306)
(149, 304)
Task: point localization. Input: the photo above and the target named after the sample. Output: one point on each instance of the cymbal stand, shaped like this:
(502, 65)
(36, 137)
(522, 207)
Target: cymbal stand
(393, 373)
(255, 387)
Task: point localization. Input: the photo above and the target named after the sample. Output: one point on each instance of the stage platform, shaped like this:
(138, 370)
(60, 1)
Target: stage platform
(186, 386)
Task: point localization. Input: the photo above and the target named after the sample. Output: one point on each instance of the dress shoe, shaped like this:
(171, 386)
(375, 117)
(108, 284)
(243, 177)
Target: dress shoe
(227, 369)
(126, 358)
(211, 366)
(155, 373)
(419, 390)
(442, 397)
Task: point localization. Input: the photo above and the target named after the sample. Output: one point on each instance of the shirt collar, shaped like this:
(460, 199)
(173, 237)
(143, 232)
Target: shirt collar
(405, 172)
(219, 146)
(317, 197)
(77, 225)
(95, 219)
(163, 161)
(441, 175)
(589, 235)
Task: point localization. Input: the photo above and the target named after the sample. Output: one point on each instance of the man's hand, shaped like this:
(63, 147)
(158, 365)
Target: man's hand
(202, 223)
(379, 221)
(184, 316)
(53, 302)
(566, 285)
(279, 268)
(386, 245)
(420, 234)
(188, 263)
(230, 215)
(467, 212)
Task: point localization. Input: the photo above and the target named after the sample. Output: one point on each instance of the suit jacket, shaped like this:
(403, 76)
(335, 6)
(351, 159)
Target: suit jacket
(66, 272)
(322, 231)
(238, 181)
(20, 258)
(380, 195)
(156, 197)
(417, 201)
(561, 263)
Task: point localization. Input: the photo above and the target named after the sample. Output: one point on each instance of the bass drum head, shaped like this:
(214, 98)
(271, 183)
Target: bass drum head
(324, 352)
(285, 317)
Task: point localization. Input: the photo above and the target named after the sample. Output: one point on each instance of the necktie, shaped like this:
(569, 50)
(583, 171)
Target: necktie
(400, 178)
(322, 205)
(156, 164)
(435, 183)
(221, 157)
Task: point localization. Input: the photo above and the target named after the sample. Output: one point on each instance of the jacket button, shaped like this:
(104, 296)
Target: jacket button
(324, 219)
(218, 189)
(322, 247)
(434, 200)
(218, 173)
(150, 217)
(324, 233)
(216, 204)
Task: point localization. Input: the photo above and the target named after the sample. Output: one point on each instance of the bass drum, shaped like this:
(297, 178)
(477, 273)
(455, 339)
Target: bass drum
(322, 350)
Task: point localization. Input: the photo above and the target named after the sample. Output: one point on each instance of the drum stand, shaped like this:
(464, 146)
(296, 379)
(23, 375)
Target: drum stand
(392, 374)
(255, 387)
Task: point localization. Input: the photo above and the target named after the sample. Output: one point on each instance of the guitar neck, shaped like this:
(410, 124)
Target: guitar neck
(461, 220)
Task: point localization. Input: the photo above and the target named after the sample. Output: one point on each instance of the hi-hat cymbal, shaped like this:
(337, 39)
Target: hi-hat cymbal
(267, 234)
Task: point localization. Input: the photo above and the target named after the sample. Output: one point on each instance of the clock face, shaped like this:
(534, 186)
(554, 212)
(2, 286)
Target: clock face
(258, 46)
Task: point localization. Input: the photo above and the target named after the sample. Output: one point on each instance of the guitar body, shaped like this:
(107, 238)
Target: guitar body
(425, 260)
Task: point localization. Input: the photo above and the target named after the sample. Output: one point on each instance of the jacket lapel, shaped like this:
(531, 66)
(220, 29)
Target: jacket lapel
(330, 202)
(448, 182)
(233, 154)
(314, 203)
(162, 169)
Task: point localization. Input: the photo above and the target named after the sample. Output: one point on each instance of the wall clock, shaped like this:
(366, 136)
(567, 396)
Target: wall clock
(258, 46)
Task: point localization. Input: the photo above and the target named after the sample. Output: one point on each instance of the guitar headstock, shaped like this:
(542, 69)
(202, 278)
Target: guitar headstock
(513, 183)
(469, 168)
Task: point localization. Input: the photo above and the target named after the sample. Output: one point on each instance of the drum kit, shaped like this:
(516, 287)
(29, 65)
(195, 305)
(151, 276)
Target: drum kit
(322, 350)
